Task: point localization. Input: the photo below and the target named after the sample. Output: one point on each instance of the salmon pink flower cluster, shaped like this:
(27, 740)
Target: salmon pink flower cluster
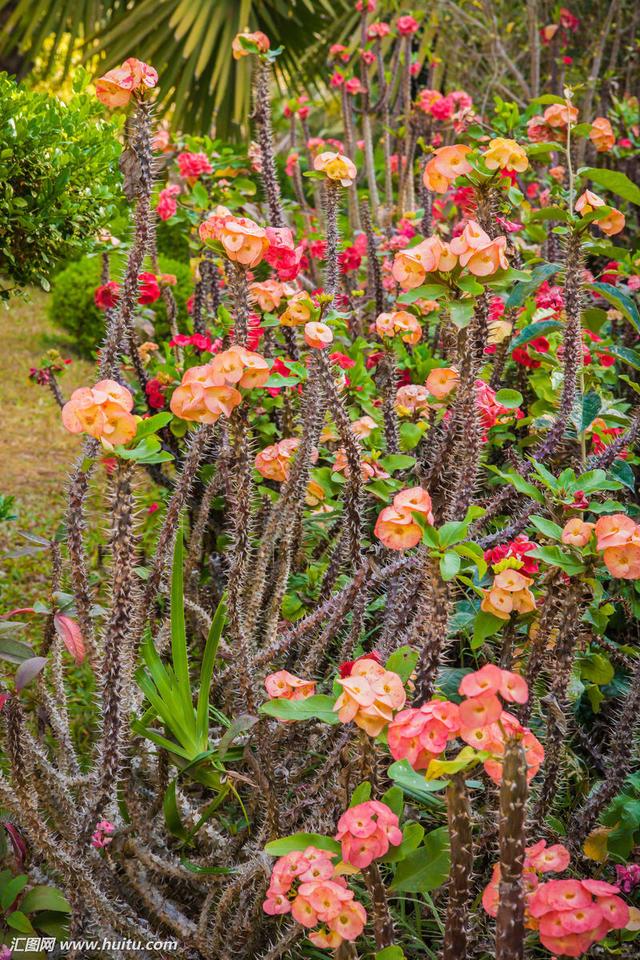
(611, 224)
(420, 734)
(336, 167)
(396, 526)
(116, 87)
(473, 249)
(411, 266)
(283, 685)
(445, 166)
(538, 859)
(508, 594)
(103, 412)
(476, 251)
(370, 695)
(242, 240)
(399, 323)
(485, 726)
(306, 885)
(571, 915)
(618, 536)
(274, 462)
(209, 391)
(366, 831)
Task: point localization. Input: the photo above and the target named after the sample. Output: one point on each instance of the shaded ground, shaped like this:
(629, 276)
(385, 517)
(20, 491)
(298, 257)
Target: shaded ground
(36, 452)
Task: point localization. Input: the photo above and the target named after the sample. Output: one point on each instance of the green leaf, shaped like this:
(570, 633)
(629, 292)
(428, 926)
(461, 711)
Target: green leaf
(206, 670)
(394, 799)
(44, 898)
(461, 312)
(412, 834)
(522, 486)
(626, 354)
(361, 794)
(427, 867)
(533, 330)
(390, 953)
(509, 398)
(549, 213)
(472, 551)
(152, 425)
(618, 299)
(469, 284)
(550, 529)
(397, 461)
(318, 707)
(452, 532)
(9, 891)
(591, 406)
(485, 625)
(414, 784)
(300, 841)
(449, 565)
(402, 661)
(429, 291)
(466, 758)
(18, 921)
(623, 472)
(614, 181)
(597, 668)
(556, 558)
(238, 726)
(172, 816)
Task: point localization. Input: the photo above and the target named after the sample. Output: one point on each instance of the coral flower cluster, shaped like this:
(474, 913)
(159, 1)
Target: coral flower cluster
(116, 87)
(243, 241)
(306, 885)
(103, 412)
(618, 536)
(420, 734)
(366, 831)
(611, 224)
(274, 462)
(569, 915)
(396, 526)
(399, 323)
(508, 594)
(370, 695)
(484, 724)
(446, 164)
(283, 685)
(473, 250)
(209, 391)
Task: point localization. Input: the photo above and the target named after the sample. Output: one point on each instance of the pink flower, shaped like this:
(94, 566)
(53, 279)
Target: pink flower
(167, 206)
(396, 527)
(317, 335)
(274, 462)
(102, 835)
(614, 530)
(193, 165)
(283, 685)
(421, 734)
(116, 87)
(103, 412)
(407, 25)
(378, 30)
(282, 254)
(353, 86)
(366, 831)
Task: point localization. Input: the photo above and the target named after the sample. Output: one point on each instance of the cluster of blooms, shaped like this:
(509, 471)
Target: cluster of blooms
(307, 886)
(399, 323)
(274, 462)
(611, 224)
(336, 167)
(569, 915)
(366, 831)
(370, 469)
(103, 412)
(617, 536)
(628, 876)
(370, 694)
(167, 204)
(116, 87)
(601, 135)
(283, 685)
(396, 526)
(154, 391)
(508, 594)
(208, 391)
(282, 254)
(191, 166)
(102, 835)
(491, 412)
(517, 549)
(107, 295)
(242, 240)
(455, 106)
(421, 734)
(554, 120)
(473, 249)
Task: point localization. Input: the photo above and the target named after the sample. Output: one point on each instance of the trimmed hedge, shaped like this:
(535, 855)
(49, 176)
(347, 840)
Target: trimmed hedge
(73, 309)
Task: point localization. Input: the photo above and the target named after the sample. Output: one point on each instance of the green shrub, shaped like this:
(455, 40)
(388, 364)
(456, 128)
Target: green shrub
(73, 308)
(58, 181)
(172, 240)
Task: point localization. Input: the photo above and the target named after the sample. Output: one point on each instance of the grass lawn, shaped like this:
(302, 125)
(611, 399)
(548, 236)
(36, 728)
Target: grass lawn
(36, 451)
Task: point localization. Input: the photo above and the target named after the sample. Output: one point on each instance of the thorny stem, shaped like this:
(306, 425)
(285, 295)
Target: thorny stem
(262, 116)
(382, 923)
(459, 887)
(513, 800)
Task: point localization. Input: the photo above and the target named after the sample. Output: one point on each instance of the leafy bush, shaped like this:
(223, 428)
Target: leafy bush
(58, 180)
(73, 308)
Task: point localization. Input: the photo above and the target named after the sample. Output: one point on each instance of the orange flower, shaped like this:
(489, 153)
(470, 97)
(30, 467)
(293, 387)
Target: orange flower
(317, 335)
(560, 115)
(399, 322)
(370, 694)
(485, 262)
(557, 173)
(283, 685)
(611, 224)
(576, 532)
(336, 167)
(103, 412)
(602, 135)
(364, 426)
(509, 593)
(412, 398)
(267, 294)
(298, 310)
(443, 168)
(505, 154)
(396, 527)
(274, 462)
(200, 400)
(441, 381)
(410, 266)
(117, 86)
(588, 201)
(258, 39)
(256, 369)
(623, 561)
(244, 242)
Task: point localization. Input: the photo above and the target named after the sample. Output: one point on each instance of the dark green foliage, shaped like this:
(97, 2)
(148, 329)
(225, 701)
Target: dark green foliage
(58, 174)
(73, 308)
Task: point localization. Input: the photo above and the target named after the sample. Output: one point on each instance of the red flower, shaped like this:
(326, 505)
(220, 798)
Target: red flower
(342, 360)
(193, 164)
(406, 26)
(348, 665)
(155, 394)
(149, 289)
(107, 295)
(282, 254)
(349, 260)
